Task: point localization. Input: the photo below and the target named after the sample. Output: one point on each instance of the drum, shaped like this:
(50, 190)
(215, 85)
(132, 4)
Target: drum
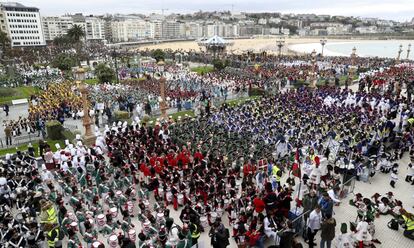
(146, 204)
(169, 197)
(161, 192)
(226, 203)
(180, 199)
(74, 225)
(160, 217)
(96, 244)
(132, 235)
(72, 216)
(130, 207)
(113, 241)
(213, 217)
(101, 220)
(204, 221)
(219, 212)
(114, 212)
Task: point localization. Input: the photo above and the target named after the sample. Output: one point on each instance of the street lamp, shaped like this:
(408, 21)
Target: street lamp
(89, 137)
(313, 76)
(399, 53)
(280, 43)
(323, 43)
(114, 55)
(159, 76)
(353, 57)
(408, 51)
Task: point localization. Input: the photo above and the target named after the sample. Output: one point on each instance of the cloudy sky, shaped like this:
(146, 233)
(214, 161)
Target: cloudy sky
(401, 10)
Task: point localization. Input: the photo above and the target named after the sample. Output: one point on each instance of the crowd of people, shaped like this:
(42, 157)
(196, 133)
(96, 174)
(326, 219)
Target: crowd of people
(270, 171)
(261, 173)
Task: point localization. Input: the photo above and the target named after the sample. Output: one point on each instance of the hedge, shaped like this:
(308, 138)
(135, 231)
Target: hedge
(121, 115)
(54, 130)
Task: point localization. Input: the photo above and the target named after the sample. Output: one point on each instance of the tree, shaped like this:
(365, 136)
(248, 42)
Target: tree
(75, 33)
(4, 44)
(64, 62)
(158, 55)
(61, 41)
(104, 73)
(219, 64)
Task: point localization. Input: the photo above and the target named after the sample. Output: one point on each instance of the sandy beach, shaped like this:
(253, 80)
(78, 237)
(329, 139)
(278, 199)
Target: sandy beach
(242, 45)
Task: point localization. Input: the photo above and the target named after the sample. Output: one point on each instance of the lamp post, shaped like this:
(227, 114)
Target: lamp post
(323, 43)
(280, 43)
(399, 54)
(408, 51)
(114, 55)
(89, 137)
(162, 80)
(313, 77)
(353, 57)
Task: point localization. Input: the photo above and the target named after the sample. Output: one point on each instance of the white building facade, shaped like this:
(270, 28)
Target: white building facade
(55, 26)
(22, 24)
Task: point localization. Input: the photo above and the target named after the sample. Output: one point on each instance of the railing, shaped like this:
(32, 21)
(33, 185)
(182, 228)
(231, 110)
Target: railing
(350, 181)
(22, 139)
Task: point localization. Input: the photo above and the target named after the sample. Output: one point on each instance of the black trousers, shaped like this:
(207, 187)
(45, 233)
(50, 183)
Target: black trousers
(311, 236)
(8, 140)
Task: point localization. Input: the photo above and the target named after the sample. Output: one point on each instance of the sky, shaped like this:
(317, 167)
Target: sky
(400, 10)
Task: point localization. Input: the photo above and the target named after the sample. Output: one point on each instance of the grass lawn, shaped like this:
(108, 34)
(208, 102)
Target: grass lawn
(35, 146)
(9, 94)
(201, 70)
(241, 100)
(91, 81)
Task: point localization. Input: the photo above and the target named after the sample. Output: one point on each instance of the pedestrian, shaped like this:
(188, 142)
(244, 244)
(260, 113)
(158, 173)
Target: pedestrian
(8, 132)
(6, 109)
(409, 224)
(327, 231)
(314, 224)
(219, 235)
(326, 204)
(394, 177)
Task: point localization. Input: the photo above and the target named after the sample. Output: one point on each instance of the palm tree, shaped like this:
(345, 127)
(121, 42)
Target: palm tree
(75, 33)
(4, 44)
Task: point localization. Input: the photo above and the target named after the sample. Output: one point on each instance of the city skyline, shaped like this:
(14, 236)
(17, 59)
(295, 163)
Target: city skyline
(400, 10)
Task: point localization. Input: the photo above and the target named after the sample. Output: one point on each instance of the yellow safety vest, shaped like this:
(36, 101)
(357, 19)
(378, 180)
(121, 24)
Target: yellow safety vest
(275, 170)
(409, 223)
(411, 121)
(195, 234)
(50, 239)
(51, 216)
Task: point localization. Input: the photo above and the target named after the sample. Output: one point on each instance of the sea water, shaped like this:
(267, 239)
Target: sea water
(366, 48)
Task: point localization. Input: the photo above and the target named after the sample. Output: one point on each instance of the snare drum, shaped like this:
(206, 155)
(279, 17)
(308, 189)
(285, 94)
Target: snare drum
(113, 241)
(204, 221)
(213, 217)
(114, 212)
(118, 193)
(160, 217)
(226, 203)
(101, 220)
(74, 226)
(161, 192)
(180, 199)
(96, 244)
(220, 212)
(169, 197)
(72, 217)
(132, 235)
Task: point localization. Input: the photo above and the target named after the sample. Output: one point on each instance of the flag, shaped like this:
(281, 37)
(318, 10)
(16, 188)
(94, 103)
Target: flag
(296, 170)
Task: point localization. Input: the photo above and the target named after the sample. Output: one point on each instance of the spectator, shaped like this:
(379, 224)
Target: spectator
(327, 231)
(326, 204)
(8, 133)
(314, 224)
